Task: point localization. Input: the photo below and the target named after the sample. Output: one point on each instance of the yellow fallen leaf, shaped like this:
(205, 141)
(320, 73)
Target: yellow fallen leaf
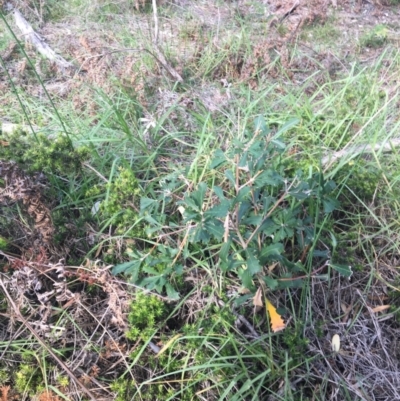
(277, 323)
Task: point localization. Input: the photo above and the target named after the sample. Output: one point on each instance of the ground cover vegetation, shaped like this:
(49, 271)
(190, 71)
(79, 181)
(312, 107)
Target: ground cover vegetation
(196, 203)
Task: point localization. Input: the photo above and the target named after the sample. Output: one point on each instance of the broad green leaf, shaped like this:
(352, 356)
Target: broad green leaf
(243, 210)
(154, 221)
(293, 267)
(291, 283)
(268, 227)
(333, 238)
(223, 253)
(330, 204)
(218, 159)
(190, 203)
(201, 235)
(302, 191)
(178, 269)
(194, 216)
(127, 267)
(268, 177)
(279, 144)
(272, 284)
(218, 211)
(229, 174)
(321, 254)
(343, 270)
(247, 278)
(219, 192)
(199, 194)
(215, 228)
(329, 186)
(242, 299)
(253, 265)
(261, 125)
(242, 195)
(146, 203)
(270, 252)
(252, 220)
(171, 293)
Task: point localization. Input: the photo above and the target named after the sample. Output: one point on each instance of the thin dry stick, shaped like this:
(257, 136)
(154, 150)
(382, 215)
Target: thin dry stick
(50, 351)
(158, 54)
(41, 46)
(155, 21)
(182, 245)
(243, 320)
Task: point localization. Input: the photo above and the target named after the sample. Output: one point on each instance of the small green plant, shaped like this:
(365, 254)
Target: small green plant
(375, 38)
(253, 215)
(41, 154)
(121, 203)
(28, 379)
(145, 313)
(3, 243)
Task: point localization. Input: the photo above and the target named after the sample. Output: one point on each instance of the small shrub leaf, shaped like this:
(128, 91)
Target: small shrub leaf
(253, 265)
(230, 176)
(261, 125)
(218, 211)
(269, 252)
(147, 203)
(127, 267)
(171, 293)
(330, 204)
(287, 126)
(219, 192)
(219, 158)
(271, 282)
(343, 270)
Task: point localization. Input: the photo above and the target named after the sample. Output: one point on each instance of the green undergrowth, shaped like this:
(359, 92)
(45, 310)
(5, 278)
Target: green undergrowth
(250, 213)
(202, 208)
(208, 356)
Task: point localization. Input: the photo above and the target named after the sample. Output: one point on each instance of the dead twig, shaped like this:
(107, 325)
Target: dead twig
(41, 46)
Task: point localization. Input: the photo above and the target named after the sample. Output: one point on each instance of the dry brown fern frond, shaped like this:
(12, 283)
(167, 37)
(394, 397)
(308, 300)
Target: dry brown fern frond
(4, 392)
(49, 396)
(20, 186)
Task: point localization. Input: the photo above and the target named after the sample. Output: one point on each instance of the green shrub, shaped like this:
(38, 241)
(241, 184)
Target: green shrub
(253, 215)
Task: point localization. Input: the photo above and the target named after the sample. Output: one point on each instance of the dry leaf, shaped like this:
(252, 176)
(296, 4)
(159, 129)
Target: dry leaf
(277, 323)
(257, 299)
(346, 310)
(272, 267)
(380, 308)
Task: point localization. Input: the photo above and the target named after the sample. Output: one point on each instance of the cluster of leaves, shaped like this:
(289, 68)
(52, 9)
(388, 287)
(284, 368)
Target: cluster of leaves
(260, 216)
(257, 215)
(39, 153)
